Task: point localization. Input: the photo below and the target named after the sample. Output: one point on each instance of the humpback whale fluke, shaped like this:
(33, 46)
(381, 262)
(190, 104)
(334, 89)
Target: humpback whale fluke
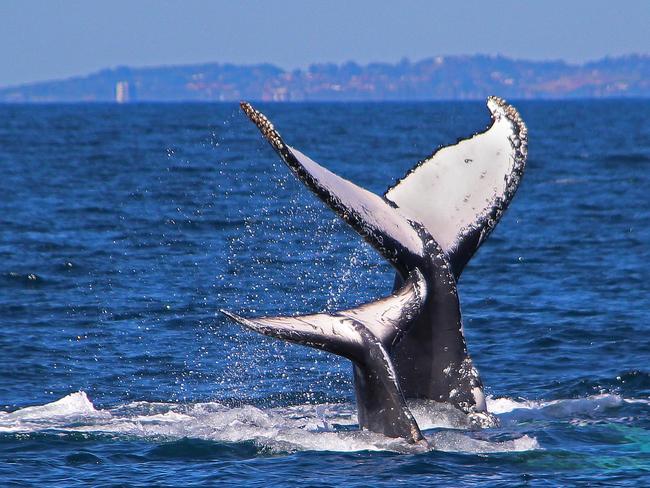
(428, 225)
(365, 334)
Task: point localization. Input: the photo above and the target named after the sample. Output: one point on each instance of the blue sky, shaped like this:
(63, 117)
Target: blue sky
(53, 39)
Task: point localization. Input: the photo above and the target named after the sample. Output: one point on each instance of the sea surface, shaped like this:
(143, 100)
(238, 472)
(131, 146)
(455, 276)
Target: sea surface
(124, 229)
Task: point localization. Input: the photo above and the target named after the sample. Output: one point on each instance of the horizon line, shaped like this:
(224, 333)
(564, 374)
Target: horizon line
(517, 100)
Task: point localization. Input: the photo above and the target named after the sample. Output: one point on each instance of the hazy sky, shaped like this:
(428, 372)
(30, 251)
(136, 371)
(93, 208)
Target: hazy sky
(52, 39)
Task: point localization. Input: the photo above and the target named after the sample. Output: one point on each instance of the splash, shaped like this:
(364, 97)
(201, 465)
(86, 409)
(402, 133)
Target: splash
(324, 427)
(72, 409)
(592, 404)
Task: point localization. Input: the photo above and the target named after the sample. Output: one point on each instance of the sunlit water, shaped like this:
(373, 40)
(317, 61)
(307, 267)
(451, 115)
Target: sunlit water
(123, 229)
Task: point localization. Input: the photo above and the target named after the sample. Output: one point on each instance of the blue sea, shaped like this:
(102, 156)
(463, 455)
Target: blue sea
(124, 229)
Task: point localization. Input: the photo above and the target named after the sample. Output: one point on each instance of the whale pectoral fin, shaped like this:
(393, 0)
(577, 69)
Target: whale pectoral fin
(369, 214)
(460, 192)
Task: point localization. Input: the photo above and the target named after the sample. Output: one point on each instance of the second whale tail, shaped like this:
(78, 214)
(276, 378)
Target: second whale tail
(365, 335)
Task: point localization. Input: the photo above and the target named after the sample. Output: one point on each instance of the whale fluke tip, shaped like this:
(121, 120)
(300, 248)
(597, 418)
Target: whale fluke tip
(264, 125)
(230, 315)
(495, 103)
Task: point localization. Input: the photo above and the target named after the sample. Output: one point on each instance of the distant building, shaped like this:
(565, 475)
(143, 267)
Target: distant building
(122, 92)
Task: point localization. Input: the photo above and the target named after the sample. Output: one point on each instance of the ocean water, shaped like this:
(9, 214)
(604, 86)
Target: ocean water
(124, 229)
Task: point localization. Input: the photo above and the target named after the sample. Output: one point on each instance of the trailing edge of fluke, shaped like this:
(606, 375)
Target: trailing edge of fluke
(428, 225)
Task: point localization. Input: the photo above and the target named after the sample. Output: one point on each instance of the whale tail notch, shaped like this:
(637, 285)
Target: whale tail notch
(365, 335)
(457, 194)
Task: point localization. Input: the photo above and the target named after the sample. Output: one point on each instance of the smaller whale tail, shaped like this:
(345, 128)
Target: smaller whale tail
(365, 335)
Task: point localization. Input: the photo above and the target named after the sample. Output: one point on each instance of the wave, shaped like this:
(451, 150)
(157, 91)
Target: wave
(565, 408)
(323, 427)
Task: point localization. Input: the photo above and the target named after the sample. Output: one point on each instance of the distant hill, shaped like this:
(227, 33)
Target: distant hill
(439, 78)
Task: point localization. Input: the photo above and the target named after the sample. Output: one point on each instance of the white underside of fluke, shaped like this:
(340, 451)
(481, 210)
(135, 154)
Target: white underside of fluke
(459, 186)
(378, 215)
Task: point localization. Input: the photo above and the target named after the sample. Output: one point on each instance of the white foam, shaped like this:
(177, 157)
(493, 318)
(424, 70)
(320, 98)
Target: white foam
(500, 406)
(73, 404)
(435, 415)
(71, 409)
(450, 441)
(325, 427)
(637, 400)
(590, 405)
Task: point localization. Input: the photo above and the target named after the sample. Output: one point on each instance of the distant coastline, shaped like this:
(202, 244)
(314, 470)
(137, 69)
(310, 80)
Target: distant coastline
(437, 78)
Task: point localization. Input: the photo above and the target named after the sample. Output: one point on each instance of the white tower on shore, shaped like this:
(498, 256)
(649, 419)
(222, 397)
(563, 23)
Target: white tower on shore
(122, 92)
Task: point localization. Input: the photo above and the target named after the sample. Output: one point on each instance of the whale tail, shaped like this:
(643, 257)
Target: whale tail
(431, 221)
(365, 335)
